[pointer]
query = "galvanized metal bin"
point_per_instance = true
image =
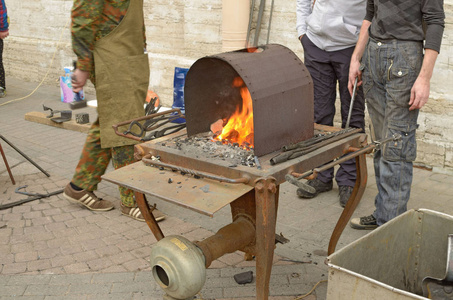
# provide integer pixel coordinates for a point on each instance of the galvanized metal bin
(391, 261)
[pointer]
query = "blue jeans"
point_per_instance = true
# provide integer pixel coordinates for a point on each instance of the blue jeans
(390, 69)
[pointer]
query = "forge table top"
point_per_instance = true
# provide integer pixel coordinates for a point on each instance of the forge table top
(208, 196)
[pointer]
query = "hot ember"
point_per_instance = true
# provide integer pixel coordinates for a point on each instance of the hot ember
(239, 127)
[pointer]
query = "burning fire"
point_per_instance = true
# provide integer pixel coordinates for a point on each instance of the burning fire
(239, 128)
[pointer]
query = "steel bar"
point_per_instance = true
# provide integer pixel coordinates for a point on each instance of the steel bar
(270, 21)
(282, 157)
(351, 205)
(156, 163)
(314, 140)
(24, 155)
(7, 166)
(351, 105)
(32, 198)
(258, 22)
(147, 214)
(249, 28)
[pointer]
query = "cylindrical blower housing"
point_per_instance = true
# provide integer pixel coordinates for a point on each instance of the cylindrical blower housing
(178, 266)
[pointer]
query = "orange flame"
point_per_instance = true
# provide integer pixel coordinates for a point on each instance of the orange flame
(239, 128)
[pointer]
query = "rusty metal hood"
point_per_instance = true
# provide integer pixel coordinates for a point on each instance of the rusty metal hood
(279, 84)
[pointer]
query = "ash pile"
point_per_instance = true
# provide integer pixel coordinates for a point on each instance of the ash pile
(204, 146)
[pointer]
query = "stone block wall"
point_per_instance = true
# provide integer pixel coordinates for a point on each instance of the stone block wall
(180, 32)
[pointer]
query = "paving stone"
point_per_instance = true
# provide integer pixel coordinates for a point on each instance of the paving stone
(107, 251)
(22, 247)
(90, 289)
(99, 264)
(63, 217)
(46, 290)
(118, 277)
(76, 268)
(26, 256)
(137, 265)
(67, 279)
(11, 290)
(39, 265)
(48, 253)
(121, 258)
(62, 261)
(14, 268)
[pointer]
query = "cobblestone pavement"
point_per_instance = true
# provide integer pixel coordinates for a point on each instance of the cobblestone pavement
(52, 249)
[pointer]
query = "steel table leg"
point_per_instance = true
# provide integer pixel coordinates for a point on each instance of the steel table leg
(7, 166)
(353, 201)
(147, 214)
(266, 198)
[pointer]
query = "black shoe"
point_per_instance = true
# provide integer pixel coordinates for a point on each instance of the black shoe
(368, 223)
(345, 193)
(319, 187)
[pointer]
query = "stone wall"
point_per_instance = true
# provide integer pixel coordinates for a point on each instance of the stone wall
(179, 32)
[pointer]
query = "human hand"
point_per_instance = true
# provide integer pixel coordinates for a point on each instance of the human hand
(79, 79)
(419, 93)
(354, 73)
(4, 34)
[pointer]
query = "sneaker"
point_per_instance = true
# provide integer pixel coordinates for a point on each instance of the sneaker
(87, 199)
(2, 92)
(318, 185)
(345, 192)
(368, 223)
(135, 213)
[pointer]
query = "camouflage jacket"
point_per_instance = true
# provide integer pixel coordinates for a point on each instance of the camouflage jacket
(92, 20)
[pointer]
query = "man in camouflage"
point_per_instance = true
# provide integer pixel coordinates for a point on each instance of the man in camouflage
(110, 35)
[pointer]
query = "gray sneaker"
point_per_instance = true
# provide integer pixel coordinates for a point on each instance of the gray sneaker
(367, 223)
(318, 185)
(2, 92)
(345, 192)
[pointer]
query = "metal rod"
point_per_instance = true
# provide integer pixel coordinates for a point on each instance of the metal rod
(25, 156)
(270, 21)
(156, 163)
(7, 166)
(252, 10)
(352, 103)
(258, 23)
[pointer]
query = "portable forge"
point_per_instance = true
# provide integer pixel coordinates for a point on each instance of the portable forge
(280, 92)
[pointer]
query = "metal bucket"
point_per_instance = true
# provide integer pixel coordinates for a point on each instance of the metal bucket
(391, 261)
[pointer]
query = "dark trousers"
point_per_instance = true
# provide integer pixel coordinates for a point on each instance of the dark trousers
(2, 70)
(327, 69)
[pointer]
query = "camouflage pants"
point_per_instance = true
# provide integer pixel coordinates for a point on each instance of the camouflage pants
(94, 160)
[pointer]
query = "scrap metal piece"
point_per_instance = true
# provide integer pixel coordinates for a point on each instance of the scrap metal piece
(31, 197)
(82, 118)
(65, 115)
(300, 184)
(244, 277)
(441, 288)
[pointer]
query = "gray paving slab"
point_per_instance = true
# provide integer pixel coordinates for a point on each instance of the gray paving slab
(52, 249)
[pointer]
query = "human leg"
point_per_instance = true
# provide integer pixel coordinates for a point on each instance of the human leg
(398, 65)
(2, 73)
(347, 173)
(317, 62)
(121, 157)
(92, 165)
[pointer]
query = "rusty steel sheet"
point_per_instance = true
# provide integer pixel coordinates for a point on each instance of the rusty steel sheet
(280, 86)
(202, 195)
